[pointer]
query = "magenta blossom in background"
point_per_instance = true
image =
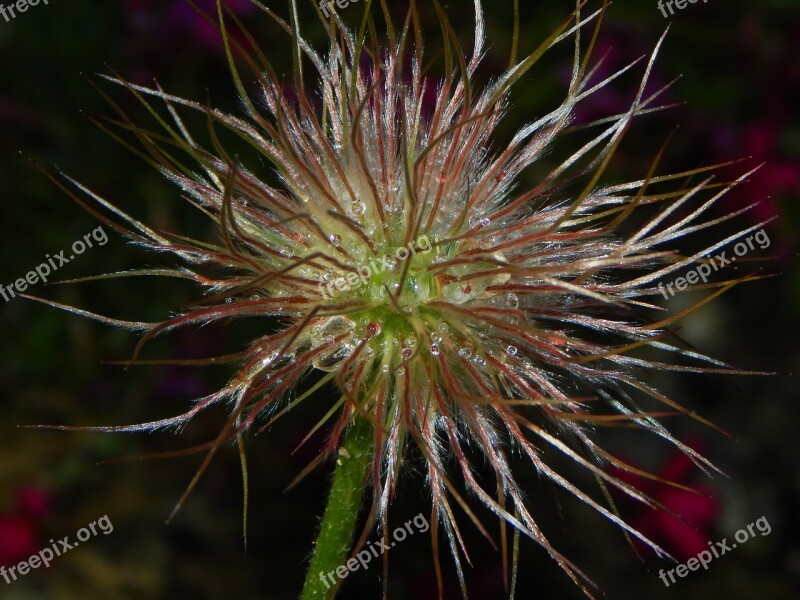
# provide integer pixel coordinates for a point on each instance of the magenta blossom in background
(613, 51)
(778, 177)
(168, 22)
(19, 537)
(699, 510)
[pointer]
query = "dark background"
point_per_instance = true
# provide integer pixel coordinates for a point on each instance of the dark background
(740, 63)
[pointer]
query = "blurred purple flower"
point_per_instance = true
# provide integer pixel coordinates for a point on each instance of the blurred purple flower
(615, 48)
(19, 537)
(778, 177)
(169, 23)
(681, 538)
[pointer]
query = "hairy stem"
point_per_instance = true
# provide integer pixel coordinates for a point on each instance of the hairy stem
(339, 521)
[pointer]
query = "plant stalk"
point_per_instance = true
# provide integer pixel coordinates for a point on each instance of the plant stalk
(341, 514)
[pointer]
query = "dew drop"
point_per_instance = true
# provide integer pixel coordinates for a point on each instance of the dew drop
(374, 328)
(511, 350)
(272, 356)
(485, 222)
(406, 353)
(434, 349)
(512, 300)
(255, 297)
(335, 240)
(464, 352)
(228, 300)
(358, 208)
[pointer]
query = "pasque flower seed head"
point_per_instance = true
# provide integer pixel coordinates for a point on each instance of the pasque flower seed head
(453, 302)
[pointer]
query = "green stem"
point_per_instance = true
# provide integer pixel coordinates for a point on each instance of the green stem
(339, 521)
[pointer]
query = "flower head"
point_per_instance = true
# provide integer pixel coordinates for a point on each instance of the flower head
(399, 246)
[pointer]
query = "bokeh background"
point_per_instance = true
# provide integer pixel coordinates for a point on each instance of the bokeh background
(740, 67)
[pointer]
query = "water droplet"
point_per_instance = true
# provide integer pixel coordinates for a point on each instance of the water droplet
(270, 358)
(464, 352)
(228, 300)
(358, 208)
(511, 350)
(406, 353)
(512, 300)
(443, 327)
(385, 369)
(437, 338)
(335, 240)
(410, 342)
(485, 222)
(434, 349)
(407, 310)
(374, 328)
(255, 297)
